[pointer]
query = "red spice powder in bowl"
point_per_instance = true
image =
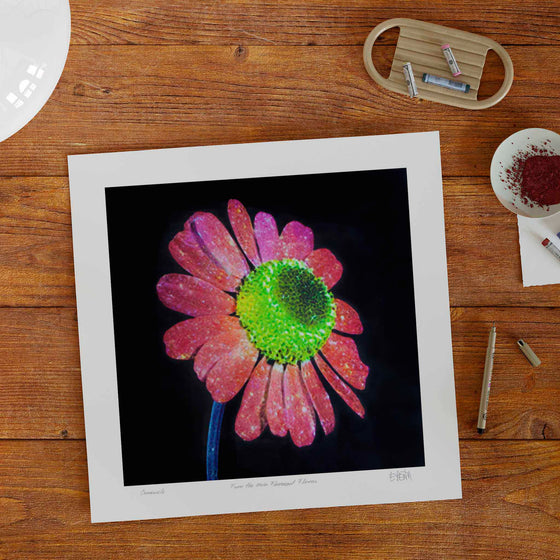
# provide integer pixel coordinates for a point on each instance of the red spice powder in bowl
(525, 173)
(540, 180)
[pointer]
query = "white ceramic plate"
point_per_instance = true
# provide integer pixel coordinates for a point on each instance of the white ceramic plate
(526, 141)
(34, 40)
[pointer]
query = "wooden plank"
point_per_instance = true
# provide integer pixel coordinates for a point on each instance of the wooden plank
(524, 400)
(40, 385)
(483, 260)
(128, 97)
(41, 392)
(291, 23)
(510, 509)
(35, 242)
(36, 246)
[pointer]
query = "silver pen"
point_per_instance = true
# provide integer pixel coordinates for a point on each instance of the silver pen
(487, 380)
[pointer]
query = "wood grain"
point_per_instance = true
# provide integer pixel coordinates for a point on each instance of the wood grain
(41, 392)
(36, 246)
(148, 74)
(510, 507)
(40, 385)
(35, 243)
(285, 22)
(524, 401)
(134, 97)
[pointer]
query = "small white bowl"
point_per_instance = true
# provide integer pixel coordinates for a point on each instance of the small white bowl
(521, 144)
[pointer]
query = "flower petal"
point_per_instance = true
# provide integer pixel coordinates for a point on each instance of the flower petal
(229, 374)
(184, 339)
(347, 318)
(296, 241)
(219, 244)
(187, 250)
(266, 233)
(325, 265)
(300, 418)
(275, 410)
(340, 387)
(243, 229)
(215, 349)
(342, 354)
(251, 418)
(193, 296)
(319, 397)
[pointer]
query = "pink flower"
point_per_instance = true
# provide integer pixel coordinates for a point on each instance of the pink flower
(263, 318)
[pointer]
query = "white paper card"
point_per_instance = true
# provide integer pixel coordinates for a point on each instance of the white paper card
(538, 265)
(147, 411)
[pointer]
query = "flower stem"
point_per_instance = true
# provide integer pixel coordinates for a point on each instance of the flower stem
(213, 444)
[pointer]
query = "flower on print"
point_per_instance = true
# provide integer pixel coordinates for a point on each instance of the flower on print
(263, 320)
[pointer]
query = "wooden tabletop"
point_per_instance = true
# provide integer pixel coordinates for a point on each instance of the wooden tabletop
(154, 74)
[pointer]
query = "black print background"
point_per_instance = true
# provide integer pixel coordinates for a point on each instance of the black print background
(362, 217)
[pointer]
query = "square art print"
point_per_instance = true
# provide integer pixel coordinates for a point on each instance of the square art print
(258, 327)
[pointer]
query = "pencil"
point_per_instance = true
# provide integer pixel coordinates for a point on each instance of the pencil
(487, 380)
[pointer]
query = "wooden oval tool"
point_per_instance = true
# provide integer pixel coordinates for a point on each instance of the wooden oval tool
(420, 44)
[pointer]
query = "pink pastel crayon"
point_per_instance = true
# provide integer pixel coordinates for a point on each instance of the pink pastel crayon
(451, 60)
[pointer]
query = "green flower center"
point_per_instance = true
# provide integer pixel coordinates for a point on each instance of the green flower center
(286, 310)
